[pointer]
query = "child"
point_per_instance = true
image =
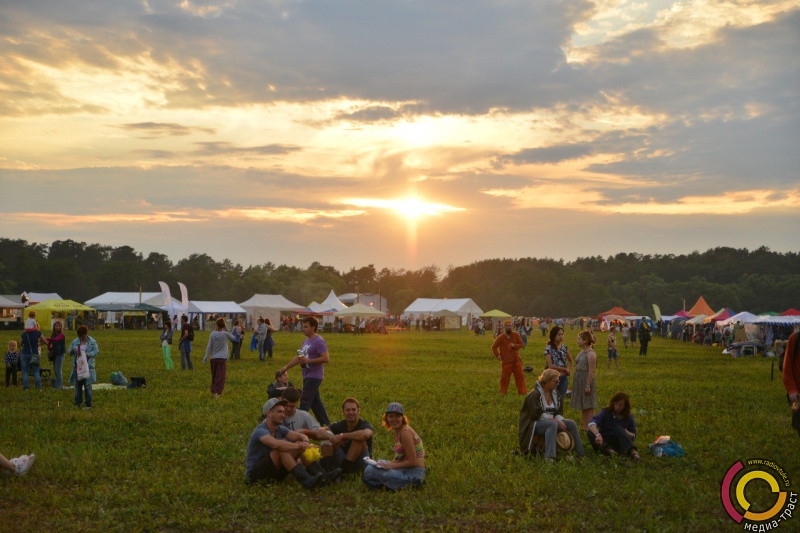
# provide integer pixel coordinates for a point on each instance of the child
(31, 324)
(11, 360)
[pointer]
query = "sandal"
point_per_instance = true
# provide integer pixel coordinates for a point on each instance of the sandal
(634, 455)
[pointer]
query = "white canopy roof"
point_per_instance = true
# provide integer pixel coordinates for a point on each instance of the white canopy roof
(462, 306)
(152, 298)
(215, 307)
(332, 302)
(271, 301)
(34, 297)
(744, 317)
(7, 303)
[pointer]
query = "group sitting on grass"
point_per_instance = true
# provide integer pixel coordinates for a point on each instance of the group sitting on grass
(282, 445)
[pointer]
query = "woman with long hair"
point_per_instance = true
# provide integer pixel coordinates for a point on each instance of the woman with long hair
(613, 429)
(238, 333)
(166, 344)
(407, 469)
(584, 386)
(559, 359)
(57, 346)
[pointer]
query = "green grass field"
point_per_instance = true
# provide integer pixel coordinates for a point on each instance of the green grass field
(169, 458)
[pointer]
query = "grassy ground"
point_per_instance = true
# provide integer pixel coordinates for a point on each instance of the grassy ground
(169, 458)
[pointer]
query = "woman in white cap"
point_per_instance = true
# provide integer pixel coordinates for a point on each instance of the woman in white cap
(407, 469)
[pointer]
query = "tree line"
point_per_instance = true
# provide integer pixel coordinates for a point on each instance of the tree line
(758, 281)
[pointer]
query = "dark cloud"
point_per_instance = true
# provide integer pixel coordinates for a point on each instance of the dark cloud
(163, 129)
(226, 148)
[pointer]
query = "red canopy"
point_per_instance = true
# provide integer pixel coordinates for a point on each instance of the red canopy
(617, 311)
(683, 314)
(791, 312)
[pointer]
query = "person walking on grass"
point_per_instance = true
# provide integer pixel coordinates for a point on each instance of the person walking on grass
(312, 356)
(506, 349)
(166, 344)
(611, 344)
(584, 387)
(274, 451)
(217, 351)
(644, 337)
(88, 346)
(57, 346)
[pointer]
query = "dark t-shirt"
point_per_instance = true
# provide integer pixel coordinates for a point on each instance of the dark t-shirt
(257, 450)
(341, 427)
(30, 342)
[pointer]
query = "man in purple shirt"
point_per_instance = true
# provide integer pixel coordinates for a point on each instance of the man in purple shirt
(311, 356)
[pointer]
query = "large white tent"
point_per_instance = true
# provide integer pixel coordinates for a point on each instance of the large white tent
(268, 306)
(332, 303)
(465, 307)
(203, 308)
(132, 298)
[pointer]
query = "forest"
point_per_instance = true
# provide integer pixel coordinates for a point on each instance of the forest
(757, 281)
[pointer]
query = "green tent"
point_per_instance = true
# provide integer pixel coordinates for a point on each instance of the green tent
(495, 313)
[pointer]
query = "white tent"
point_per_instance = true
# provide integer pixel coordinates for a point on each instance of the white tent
(36, 297)
(268, 306)
(427, 306)
(130, 298)
(203, 308)
(744, 317)
(332, 302)
(360, 310)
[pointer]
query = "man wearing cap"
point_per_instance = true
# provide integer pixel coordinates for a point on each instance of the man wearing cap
(352, 440)
(506, 349)
(311, 358)
(274, 451)
(281, 383)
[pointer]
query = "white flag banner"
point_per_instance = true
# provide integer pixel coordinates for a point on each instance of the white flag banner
(167, 299)
(184, 295)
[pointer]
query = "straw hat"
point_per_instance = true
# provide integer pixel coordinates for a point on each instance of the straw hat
(564, 441)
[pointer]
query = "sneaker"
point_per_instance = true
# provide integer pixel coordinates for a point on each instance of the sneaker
(86, 408)
(23, 464)
(569, 392)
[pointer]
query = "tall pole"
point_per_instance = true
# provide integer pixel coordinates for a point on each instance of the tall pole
(380, 301)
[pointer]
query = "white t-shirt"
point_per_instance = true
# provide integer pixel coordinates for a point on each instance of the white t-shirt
(301, 420)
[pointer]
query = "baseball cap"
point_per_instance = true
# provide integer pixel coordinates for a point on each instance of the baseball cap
(272, 402)
(394, 407)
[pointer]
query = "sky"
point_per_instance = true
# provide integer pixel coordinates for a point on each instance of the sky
(401, 134)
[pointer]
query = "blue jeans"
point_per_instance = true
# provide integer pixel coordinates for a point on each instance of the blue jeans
(186, 355)
(563, 385)
(80, 385)
(310, 399)
(549, 428)
(261, 346)
(58, 381)
(394, 479)
(27, 368)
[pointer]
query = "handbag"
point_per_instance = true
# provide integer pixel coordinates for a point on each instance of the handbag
(82, 367)
(35, 359)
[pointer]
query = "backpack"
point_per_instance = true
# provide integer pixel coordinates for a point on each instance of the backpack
(190, 334)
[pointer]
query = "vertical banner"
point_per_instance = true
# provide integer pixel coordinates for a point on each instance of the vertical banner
(167, 299)
(657, 312)
(184, 295)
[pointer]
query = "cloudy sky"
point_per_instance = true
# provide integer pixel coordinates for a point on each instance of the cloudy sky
(402, 133)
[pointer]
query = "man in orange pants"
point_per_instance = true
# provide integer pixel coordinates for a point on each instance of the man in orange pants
(506, 349)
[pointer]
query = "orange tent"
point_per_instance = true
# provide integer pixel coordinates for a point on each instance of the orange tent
(701, 308)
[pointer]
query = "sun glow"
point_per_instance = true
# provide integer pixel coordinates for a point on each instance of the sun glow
(411, 207)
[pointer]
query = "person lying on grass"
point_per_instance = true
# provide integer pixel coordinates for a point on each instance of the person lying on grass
(274, 451)
(613, 429)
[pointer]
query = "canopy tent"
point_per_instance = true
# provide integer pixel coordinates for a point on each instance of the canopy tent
(359, 310)
(696, 320)
(722, 314)
(683, 314)
(450, 319)
(624, 319)
(495, 313)
(37, 297)
(268, 306)
(701, 308)
(332, 302)
(465, 307)
(10, 302)
(791, 312)
(744, 317)
(47, 307)
(155, 299)
(202, 308)
(123, 308)
(615, 311)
